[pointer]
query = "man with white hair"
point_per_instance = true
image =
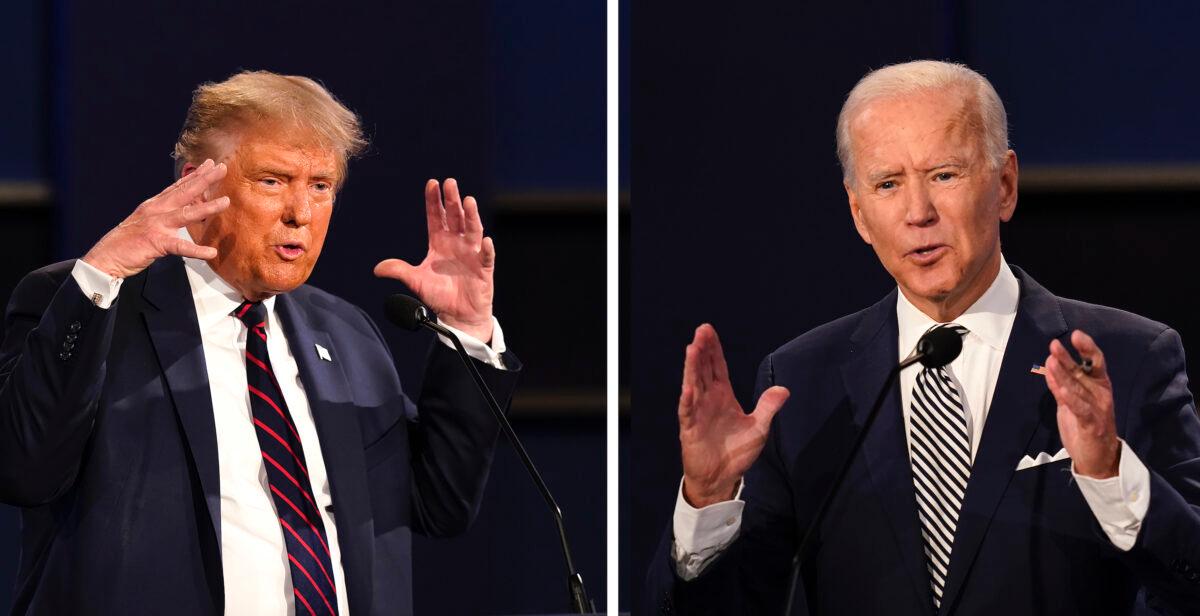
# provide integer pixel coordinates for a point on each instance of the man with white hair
(189, 428)
(982, 487)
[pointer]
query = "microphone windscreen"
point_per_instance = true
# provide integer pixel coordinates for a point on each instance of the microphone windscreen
(939, 346)
(404, 311)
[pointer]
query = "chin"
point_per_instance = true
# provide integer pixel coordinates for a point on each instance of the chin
(283, 277)
(934, 286)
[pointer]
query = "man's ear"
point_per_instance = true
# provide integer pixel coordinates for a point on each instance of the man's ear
(1008, 186)
(856, 212)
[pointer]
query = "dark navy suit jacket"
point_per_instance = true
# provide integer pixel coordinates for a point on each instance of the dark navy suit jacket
(107, 443)
(1026, 541)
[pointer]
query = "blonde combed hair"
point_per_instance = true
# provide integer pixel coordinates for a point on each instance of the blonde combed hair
(927, 75)
(254, 97)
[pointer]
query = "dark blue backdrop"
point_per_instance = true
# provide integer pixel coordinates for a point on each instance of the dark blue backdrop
(508, 99)
(740, 219)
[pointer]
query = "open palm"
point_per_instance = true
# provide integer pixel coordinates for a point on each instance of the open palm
(719, 441)
(455, 278)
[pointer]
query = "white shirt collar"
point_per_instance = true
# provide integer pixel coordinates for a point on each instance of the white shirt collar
(215, 299)
(989, 319)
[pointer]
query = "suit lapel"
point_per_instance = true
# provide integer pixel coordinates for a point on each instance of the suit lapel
(175, 331)
(874, 354)
(1015, 413)
(337, 426)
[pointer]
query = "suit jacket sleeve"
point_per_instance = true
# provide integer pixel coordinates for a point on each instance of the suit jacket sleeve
(451, 436)
(751, 576)
(1165, 433)
(52, 367)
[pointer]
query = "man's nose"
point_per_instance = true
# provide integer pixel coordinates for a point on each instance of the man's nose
(919, 209)
(298, 210)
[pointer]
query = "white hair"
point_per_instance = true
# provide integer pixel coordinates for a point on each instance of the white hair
(927, 75)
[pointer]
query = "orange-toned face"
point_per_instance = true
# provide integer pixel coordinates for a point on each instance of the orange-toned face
(281, 186)
(925, 197)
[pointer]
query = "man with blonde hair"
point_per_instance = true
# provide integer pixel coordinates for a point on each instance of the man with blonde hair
(189, 428)
(981, 487)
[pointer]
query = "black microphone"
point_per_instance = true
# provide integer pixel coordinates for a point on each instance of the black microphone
(936, 348)
(409, 313)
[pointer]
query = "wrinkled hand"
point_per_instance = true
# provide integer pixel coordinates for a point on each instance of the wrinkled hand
(455, 279)
(1086, 418)
(719, 441)
(151, 231)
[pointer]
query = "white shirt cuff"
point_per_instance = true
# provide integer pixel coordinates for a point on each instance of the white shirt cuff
(490, 355)
(702, 534)
(1119, 503)
(97, 286)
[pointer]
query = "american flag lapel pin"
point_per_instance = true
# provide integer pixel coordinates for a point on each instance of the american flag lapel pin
(1036, 369)
(323, 353)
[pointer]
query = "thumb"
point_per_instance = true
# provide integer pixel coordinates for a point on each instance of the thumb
(770, 402)
(396, 269)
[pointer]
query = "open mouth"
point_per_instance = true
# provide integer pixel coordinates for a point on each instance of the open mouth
(289, 252)
(928, 253)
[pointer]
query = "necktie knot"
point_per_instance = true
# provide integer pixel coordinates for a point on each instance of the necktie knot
(253, 314)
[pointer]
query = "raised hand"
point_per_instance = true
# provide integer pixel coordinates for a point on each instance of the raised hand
(1086, 417)
(718, 439)
(455, 279)
(151, 231)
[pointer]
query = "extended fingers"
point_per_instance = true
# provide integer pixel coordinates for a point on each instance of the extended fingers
(455, 216)
(1064, 383)
(473, 224)
(395, 269)
(688, 393)
(487, 253)
(718, 369)
(435, 215)
(184, 248)
(194, 185)
(769, 403)
(1088, 349)
(195, 212)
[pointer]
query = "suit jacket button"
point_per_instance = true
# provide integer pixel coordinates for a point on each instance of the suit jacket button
(76, 326)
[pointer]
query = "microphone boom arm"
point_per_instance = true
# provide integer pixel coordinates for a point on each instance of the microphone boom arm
(580, 603)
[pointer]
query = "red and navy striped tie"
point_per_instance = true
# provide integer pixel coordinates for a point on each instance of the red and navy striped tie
(287, 474)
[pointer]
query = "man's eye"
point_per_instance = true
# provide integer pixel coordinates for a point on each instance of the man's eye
(270, 181)
(885, 185)
(944, 176)
(322, 186)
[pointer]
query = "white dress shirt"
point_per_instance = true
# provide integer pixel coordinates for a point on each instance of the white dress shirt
(253, 553)
(1119, 503)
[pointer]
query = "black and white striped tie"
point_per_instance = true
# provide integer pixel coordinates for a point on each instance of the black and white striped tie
(941, 463)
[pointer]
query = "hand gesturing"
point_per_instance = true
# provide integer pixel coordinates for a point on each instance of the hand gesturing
(455, 279)
(1087, 421)
(151, 231)
(718, 439)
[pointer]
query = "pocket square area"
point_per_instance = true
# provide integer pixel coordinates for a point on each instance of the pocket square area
(1042, 458)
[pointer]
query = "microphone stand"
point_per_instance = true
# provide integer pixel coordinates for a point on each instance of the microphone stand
(580, 604)
(915, 357)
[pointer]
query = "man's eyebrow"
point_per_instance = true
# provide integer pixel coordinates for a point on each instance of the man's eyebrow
(883, 174)
(269, 170)
(953, 161)
(324, 175)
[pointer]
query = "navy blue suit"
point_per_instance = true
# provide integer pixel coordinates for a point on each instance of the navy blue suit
(107, 443)
(1026, 541)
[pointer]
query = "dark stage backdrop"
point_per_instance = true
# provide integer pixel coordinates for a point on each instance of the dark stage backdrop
(740, 219)
(509, 99)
